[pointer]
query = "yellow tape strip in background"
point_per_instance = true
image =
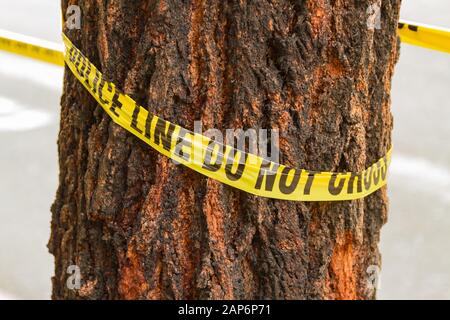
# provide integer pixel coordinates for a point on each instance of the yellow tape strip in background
(424, 36)
(233, 167)
(31, 47)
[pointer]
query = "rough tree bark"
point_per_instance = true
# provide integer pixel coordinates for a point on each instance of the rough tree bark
(139, 226)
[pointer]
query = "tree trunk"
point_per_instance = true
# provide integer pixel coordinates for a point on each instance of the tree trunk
(141, 227)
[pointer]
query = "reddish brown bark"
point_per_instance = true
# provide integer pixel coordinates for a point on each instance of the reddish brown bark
(141, 227)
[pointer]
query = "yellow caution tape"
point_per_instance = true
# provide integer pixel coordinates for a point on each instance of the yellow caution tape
(31, 47)
(244, 171)
(233, 167)
(424, 36)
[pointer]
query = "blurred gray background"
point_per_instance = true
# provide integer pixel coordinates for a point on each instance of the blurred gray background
(414, 244)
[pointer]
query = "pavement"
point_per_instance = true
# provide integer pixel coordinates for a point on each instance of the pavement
(414, 243)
